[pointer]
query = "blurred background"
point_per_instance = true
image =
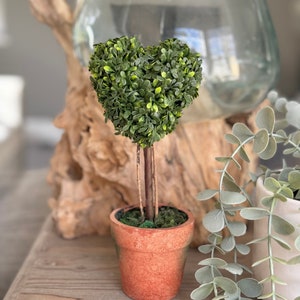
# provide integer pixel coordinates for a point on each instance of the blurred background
(32, 92)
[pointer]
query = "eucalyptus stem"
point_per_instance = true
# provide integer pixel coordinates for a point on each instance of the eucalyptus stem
(212, 255)
(270, 251)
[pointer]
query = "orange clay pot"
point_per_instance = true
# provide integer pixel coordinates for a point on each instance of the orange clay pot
(151, 260)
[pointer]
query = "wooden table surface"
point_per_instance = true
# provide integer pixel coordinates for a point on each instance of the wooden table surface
(83, 268)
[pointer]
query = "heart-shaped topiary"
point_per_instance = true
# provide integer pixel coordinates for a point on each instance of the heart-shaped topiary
(144, 90)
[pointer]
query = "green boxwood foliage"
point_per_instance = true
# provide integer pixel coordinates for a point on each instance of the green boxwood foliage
(144, 90)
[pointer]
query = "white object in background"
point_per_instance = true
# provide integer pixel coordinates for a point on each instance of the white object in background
(11, 100)
(288, 273)
(42, 130)
(4, 37)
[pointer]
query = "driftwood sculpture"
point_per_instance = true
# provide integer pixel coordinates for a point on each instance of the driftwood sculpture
(93, 171)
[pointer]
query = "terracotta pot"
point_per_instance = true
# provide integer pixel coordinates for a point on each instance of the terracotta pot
(151, 260)
(290, 211)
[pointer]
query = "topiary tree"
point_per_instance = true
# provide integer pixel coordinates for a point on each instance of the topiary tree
(143, 91)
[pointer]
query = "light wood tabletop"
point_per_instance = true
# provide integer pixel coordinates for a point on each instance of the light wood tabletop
(82, 268)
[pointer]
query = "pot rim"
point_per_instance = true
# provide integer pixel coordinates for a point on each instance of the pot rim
(188, 222)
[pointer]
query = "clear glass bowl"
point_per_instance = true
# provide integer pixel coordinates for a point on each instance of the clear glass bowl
(236, 39)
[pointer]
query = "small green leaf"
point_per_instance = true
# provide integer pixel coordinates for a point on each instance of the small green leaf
(282, 226)
(158, 90)
(254, 213)
(265, 118)
(107, 69)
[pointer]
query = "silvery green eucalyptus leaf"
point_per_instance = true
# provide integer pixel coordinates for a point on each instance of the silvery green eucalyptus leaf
(243, 249)
(294, 179)
(280, 105)
(281, 242)
(265, 118)
(202, 292)
(226, 284)
(271, 184)
(270, 151)
(228, 243)
(228, 197)
(297, 243)
(281, 136)
(250, 287)
(204, 275)
(206, 194)
(232, 139)
(282, 226)
(243, 155)
(205, 249)
(261, 141)
(267, 201)
(295, 137)
(237, 228)
(214, 221)
(279, 260)
(233, 268)
(280, 124)
(230, 185)
(254, 213)
(295, 260)
(241, 131)
(216, 262)
(288, 151)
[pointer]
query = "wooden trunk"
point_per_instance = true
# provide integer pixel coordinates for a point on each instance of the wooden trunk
(93, 171)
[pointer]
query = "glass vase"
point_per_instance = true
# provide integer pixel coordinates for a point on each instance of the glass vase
(235, 38)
